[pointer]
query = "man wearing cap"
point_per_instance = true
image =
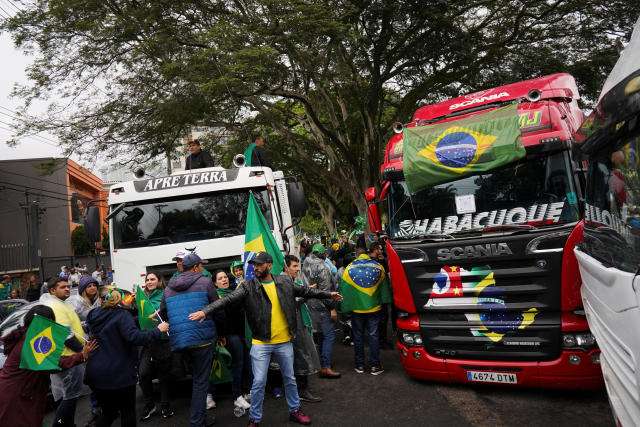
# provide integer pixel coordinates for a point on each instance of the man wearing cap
(198, 158)
(188, 292)
(316, 274)
(178, 259)
(271, 313)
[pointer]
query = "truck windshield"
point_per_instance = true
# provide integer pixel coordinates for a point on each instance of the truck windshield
(533, 192)
(186, 219)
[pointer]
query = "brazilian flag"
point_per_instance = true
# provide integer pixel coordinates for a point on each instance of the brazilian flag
(43, 345)
(258, 238)
(221, 367)
(145, 310)
(363, 286)
(445, 152)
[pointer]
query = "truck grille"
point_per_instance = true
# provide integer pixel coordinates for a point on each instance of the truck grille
(504, 307)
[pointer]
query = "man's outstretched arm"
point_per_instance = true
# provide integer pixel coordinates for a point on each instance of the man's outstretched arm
(234, 297)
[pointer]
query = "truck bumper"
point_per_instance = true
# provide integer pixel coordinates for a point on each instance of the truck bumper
(558, 373)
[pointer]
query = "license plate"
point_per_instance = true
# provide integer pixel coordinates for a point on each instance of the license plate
(492, 377)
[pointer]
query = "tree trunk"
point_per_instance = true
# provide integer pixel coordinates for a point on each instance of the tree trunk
(327, 213)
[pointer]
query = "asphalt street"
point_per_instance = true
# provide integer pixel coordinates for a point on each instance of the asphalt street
(392, 399)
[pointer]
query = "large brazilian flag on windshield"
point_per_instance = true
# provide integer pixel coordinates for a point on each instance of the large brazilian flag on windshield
(258, 238)
(43, 345)
(435, 154)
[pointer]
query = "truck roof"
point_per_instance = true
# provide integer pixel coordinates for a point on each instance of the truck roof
(193, 182)
(552, 86)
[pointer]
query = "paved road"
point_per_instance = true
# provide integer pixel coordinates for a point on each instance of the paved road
(392, 399)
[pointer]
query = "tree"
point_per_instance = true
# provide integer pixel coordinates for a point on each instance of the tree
(328, 77)
(80, 241)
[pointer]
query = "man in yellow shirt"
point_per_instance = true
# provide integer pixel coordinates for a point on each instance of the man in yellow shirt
(269, 303)
(66, 385)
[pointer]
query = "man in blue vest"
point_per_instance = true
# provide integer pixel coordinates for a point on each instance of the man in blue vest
(188, 292)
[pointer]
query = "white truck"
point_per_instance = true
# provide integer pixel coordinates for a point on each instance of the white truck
(151, 219)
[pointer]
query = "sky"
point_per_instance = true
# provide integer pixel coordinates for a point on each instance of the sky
(14, 63)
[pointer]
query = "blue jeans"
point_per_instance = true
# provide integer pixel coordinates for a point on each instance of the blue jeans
(328, 329)
(201, 362)
(362, 323)
(260, 357)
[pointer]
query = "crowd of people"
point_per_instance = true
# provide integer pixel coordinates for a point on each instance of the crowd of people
(278, 329)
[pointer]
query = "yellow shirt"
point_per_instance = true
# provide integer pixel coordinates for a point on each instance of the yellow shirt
(279, 327)
(66, 316)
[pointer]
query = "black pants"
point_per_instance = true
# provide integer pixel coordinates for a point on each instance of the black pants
(65, 413)
(118, 401)
(151, 368)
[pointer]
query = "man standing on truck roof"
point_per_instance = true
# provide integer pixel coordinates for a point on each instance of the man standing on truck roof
(316, 274)
(198, 158)
(256, 154)
(271, 313)
(186, 293)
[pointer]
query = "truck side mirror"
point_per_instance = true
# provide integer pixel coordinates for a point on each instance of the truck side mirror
(373, 213)
(92, 223)
(297, 202)
(370, 194)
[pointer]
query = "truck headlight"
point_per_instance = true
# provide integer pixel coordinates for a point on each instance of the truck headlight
(411, 339)
(581, 340)
(585, 340)
(569, 341)
(407, 338)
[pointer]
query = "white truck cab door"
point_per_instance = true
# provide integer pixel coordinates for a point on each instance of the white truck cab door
(609, 260)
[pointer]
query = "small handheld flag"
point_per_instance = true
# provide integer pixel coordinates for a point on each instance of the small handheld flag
(258, 238)
(43, 345)
(145, 310)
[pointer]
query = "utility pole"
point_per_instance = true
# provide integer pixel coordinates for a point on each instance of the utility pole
(27, 218)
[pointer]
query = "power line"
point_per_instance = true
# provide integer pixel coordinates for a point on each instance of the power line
(32, 137)
(34, 177)
(14, 116)
(26, 189)
(35, 135)
(7, 14)
(13, 5)
(34, 188)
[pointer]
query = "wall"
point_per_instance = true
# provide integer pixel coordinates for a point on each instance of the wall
(44, 182)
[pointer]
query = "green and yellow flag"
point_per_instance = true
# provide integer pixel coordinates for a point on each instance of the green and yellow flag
(445, 152)
(248, 154)
(145, 310)
(258, 238)
(43, 345)
(363, 286)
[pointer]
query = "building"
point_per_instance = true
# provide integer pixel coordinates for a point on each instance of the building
(41, 202)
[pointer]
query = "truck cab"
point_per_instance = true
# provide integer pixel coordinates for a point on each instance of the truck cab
(609, 256)
(203, 210)
(482, 266)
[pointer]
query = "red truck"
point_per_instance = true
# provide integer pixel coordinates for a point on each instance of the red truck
(483, 272)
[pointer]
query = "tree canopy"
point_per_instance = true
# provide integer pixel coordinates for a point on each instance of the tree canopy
(324, 79)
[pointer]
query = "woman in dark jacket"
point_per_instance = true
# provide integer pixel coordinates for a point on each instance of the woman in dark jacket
(234, 330)
(112, 373)
(24, 392)
(155, 358)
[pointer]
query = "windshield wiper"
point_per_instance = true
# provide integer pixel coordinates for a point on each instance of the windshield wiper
(115, 211)
(424, 238)
(509, 227)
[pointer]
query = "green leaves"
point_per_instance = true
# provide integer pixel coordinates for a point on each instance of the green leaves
(325, 79)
